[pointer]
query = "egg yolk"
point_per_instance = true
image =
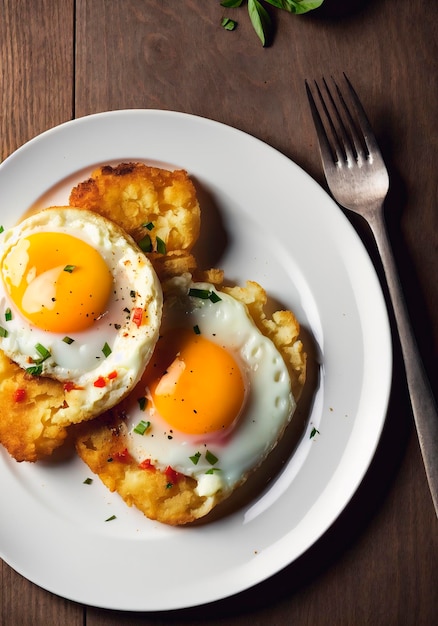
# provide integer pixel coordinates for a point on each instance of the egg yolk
(57, 281)
(196, 385)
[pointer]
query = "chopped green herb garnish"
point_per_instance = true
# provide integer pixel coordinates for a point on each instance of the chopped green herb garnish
(88, 481)
(106, 350)
(43, 352)
(161, 246)
(212, 470)
(142, 427)
(314, 432)
(35, 370)
(196, 330)
(68, 340)
(8, 315)
(145, 244)
(149, 225)
(260, 18)
(69, 268)
(1, 229)
(211, 458)
(110, 519)
(228, 23)
(204, 294)
(142, 402)
(3, 332)
(214, 297)
(169, 485)
(195, 458)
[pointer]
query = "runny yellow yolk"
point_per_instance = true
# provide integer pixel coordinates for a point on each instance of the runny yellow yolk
(196, 385)
(58, 282)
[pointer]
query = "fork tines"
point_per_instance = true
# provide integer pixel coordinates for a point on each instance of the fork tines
(343, 128)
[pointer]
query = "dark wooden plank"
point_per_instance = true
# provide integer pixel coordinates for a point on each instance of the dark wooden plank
(36, 93)
(36, 52)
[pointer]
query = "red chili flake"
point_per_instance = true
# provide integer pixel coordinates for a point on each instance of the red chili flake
(137, 316)
(123, 456)
(19, 395)
(146, 465)
(172, 474)
(112, 375)
(100, 382)
(69, 386)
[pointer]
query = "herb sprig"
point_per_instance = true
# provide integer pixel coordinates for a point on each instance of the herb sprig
(259, 16)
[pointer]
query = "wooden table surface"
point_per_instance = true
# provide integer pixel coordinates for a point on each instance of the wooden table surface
(61, 60)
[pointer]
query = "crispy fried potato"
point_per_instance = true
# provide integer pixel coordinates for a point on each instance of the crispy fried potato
(167, 499)
(151, 491)
(134, 195)
(30, 428)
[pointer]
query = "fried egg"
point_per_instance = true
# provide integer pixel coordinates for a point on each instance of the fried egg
(215, 396)
(79, 302)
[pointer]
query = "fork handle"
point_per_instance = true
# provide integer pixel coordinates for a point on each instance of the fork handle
(422, 400)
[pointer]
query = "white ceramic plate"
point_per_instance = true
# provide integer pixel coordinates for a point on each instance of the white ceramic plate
(264, 219)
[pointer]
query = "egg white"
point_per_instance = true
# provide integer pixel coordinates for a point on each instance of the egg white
(127, 346)
(268, 408)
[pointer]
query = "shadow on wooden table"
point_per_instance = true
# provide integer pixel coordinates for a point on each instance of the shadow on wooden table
(340, 8)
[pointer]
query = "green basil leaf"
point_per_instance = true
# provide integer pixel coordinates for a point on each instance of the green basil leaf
(296, 6)
(231, 4)
(260, 20)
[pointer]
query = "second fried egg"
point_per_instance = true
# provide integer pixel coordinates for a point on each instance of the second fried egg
(216, 395)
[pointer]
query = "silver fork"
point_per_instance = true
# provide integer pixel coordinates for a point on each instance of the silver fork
(358, 180)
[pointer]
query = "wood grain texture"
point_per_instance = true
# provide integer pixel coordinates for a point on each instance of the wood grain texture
(36, 93)
(36, 70)
(377, 564)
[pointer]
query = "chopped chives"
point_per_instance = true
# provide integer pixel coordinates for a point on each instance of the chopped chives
(8, 315)
(149, 225)
(69, 268)
(142, 427)
(211, 458)
(3, 332)
(110, 519)
(142, 402)
(214, 297)
(204, 294)
(195, 458)
(212, 470)
(88, 481)
(35, 370)
(145, 244)
(43, 352)
(106, 350)
(196, 330)
(161, 246)
(1, 229)
(68, 340)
